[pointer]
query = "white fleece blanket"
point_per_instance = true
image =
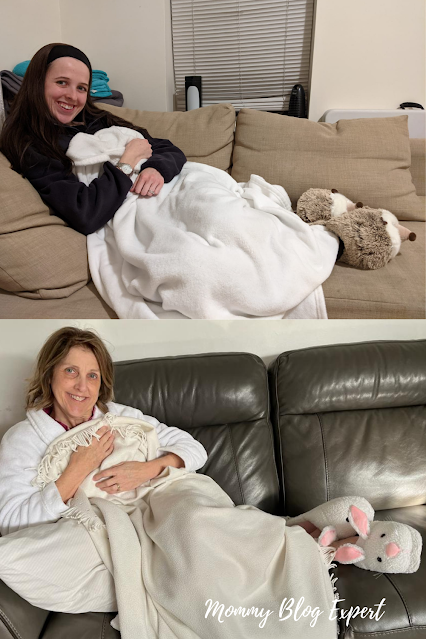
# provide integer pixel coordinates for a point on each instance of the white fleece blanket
(206, 247)
(187, 563)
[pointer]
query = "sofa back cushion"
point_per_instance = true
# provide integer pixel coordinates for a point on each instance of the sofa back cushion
(418, 168)
(40, 257)
(351, 420)
(418, 165)
(222, 400)
(205, 135)
(367, 160)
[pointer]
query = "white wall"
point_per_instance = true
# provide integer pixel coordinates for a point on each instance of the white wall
(20, 341)
(131, 41)
(26, 26)
(367, 54)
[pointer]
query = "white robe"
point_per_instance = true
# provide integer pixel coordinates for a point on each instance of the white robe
(24, 445)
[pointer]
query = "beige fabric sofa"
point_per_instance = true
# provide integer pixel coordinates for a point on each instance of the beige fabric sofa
(43, 263)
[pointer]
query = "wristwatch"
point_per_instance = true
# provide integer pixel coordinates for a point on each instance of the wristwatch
(126, 168)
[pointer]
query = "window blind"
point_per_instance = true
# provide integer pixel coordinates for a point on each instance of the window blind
(249, 52)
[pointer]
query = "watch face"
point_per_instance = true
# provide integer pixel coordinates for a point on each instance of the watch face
(126, 168)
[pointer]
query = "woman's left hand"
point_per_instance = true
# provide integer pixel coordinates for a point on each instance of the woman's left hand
(126, 476)
(148, 183)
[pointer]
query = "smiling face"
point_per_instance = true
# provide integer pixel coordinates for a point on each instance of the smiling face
(65, 88)
(75, 386)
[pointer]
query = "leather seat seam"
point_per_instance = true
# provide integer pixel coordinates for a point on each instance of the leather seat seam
(103, 627)
(276, 426)
(271, 429)
(382, 633)
(327, 485)
(252, 420)
(235, 464)
(410, 621)
(8, 621)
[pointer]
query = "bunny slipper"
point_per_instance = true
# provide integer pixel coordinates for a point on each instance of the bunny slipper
(390, 547)
(383, 546)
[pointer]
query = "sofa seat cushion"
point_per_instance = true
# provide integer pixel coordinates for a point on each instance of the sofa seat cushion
(18, 618)
(367, 160)
(40, 256)
(205, 135)
(89, 625)
(396, 291)
(83, 304)
(404, 594)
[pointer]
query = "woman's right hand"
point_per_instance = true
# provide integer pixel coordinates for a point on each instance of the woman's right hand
(135, 151)
(83, 461)
(88, 458)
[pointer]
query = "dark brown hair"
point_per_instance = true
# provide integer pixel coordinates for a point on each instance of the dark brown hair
(55, 349)
(30, 122)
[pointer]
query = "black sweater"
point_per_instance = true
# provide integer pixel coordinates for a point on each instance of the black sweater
(87, 208)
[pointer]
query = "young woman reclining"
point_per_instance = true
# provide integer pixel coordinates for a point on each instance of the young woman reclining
(51, 107)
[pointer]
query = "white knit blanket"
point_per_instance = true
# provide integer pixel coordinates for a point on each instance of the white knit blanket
(187, 563)
(206, 247)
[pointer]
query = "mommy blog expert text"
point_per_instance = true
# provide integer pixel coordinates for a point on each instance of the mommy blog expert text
(289, 608)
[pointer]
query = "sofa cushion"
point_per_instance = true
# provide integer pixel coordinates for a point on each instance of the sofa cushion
(205, 135)
(418, 167)
(351, 420)
(83, 304)
(387, 293)
(222, 400)
(367, 160)
(89, 625)
(396, 291)
(16, 613)
(40, 257)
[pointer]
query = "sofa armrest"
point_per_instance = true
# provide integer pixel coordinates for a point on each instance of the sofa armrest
(18, 618)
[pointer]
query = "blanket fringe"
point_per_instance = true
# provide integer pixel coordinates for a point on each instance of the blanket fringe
(91, 522)
(48, 469)
(327, 553)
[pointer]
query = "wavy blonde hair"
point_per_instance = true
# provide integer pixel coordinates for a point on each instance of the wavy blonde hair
(54, 350)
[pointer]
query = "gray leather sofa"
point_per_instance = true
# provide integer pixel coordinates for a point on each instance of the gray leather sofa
(346, 419)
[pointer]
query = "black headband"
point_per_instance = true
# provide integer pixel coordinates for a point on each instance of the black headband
(67, 51)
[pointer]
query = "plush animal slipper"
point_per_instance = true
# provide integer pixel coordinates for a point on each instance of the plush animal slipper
(383, 546)
(323, 204)
(371, 237)
(390, 547)
(334, 519)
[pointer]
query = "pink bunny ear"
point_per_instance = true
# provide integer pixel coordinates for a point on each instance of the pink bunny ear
(327, 536)
(349, 554)
(392, 549)
(359, 521)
